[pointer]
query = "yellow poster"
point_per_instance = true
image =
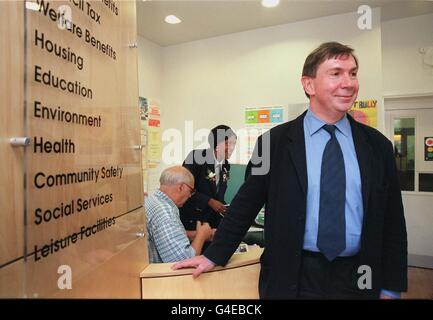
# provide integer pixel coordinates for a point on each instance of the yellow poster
(154, 144)
(365, 111)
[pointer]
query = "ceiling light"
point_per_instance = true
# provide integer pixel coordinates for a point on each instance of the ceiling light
(270, 3)
(172, 19)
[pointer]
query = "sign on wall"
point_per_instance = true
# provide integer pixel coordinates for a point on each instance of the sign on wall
(365, 112)
(84, 174)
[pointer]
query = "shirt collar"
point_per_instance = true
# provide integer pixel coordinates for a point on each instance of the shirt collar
(314, 123)
(219, 163)
(161, 195)
(216, 162)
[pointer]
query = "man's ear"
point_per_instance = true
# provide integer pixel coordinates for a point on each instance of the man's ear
(307, 83)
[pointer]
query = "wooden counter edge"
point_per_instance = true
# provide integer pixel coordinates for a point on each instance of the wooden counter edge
(155, 270)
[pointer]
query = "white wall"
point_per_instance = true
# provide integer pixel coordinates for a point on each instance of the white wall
(403, 71)
(405, 75)
(213, 80)
(149, 70)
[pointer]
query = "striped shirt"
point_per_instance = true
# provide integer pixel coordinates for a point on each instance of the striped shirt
(168, 241)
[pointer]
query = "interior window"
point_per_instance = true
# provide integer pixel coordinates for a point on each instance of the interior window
(404, 152)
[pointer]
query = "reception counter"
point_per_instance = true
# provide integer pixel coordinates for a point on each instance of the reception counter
(237, 280)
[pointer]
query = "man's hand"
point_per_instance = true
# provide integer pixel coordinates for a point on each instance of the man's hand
(204, 231)
(200, 263)
(217, 206)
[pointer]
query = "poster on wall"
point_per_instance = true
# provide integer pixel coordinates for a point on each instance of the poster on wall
(154, 142)
(365, 112)
(428, 148)
(151, 141)
(258, 120)
(144, 112)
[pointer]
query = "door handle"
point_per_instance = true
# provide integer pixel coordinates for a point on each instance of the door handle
(19, 141)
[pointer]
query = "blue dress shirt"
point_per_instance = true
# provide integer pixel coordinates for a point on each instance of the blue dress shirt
(315, 141)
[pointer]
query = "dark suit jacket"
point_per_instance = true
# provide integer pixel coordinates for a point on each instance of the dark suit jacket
(284, 192)
(201, 163)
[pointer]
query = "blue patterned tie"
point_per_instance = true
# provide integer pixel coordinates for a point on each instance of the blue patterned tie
(331, 238)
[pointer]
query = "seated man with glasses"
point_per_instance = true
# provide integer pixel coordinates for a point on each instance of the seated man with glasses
(168, 241)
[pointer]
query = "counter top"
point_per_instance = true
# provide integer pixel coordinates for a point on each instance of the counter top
(252, 256)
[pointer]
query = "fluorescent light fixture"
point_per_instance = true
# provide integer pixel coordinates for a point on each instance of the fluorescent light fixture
(270, 3)
(172, 19)
(32, 6)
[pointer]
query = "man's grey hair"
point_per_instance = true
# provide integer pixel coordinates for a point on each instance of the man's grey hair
(175, 175)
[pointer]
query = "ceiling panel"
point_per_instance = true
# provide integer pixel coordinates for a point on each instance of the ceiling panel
(205, 19)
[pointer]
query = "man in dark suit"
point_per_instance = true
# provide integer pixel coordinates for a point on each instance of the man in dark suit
(211, 172)
(334, 222)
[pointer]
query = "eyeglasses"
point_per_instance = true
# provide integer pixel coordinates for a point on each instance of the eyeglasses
(191, 189)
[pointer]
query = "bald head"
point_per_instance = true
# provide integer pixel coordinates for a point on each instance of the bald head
(176, 175)
(177, 183)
